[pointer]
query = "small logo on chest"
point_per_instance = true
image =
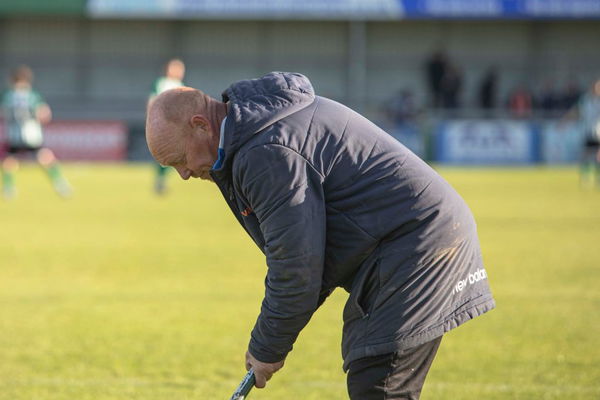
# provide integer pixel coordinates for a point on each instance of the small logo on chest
(247, 211)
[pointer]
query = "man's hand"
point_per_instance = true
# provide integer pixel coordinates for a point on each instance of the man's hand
(262, 371)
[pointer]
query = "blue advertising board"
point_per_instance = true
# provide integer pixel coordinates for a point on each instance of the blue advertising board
(561, 142)
(496, 9)
(345, 9)
(486, 142)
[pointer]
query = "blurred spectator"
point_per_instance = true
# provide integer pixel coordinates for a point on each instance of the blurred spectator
(451, 87)
(436, 68)
(520, 102)
(25, 111)
(402, 107)
(173, 78)
(488, 90)
(549, 101)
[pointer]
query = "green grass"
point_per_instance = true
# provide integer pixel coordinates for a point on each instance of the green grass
(118, 294)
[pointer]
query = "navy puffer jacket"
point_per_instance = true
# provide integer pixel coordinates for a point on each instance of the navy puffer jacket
(334, 201)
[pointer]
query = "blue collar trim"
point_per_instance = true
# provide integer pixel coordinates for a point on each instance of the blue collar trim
(221, 151)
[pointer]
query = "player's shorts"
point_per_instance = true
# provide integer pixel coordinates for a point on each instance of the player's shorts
(591, 143)
(21, 149)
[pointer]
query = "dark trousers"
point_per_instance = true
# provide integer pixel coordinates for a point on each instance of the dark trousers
(392, 376)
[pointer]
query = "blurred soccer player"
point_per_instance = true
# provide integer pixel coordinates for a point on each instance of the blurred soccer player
(587, 111)
(24, 112)
(173, 78)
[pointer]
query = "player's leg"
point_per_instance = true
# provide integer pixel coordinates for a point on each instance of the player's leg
(393, 376)
(597, 163)
(10, 165)
(49, 162)
(589, 163)
(161, 179)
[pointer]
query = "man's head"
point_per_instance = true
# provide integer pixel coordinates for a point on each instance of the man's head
(22, 75)
(182, 131)
(175, 69)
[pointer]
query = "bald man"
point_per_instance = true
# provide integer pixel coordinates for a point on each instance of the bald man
(332, 201)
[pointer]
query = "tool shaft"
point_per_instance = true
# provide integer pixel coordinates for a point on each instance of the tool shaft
(245, 386)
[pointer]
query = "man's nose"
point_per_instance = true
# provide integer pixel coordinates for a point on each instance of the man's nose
(184, 173)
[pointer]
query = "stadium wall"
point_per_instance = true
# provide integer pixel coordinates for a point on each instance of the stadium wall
(103, 67)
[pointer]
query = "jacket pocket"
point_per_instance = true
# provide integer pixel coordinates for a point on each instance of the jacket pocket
(363, 292)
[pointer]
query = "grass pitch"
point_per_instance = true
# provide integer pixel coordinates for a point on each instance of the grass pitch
(119, 294)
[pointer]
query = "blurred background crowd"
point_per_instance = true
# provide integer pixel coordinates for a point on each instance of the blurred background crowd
(547, 98)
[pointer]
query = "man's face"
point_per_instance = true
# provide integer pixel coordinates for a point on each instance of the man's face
(196, 159)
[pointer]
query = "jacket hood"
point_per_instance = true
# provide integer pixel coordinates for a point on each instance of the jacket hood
(254, 104)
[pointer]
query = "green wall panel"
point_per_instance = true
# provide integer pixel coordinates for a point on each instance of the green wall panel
(42, 7)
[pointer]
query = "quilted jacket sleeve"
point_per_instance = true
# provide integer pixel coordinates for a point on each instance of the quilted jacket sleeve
(286, 194)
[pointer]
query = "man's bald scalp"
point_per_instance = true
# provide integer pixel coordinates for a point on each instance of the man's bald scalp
(167, 120)
(180, 103)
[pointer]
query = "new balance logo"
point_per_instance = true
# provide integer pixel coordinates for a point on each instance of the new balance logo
(476, 276)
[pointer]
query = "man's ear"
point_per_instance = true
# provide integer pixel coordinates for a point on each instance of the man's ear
(200, 121)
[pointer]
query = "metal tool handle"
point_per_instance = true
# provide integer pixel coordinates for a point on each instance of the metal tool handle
(245, 386)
